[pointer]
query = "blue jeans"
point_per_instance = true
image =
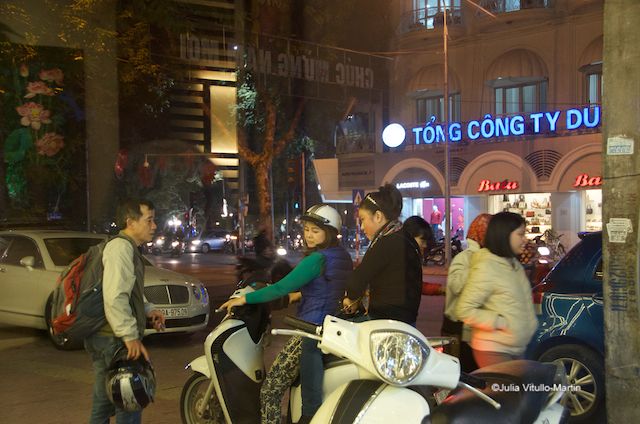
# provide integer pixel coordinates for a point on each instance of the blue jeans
(102, 349)
(311, 376)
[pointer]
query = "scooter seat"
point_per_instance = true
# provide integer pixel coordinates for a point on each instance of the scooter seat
(521, 387)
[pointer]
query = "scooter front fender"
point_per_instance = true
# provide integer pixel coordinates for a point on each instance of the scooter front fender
(372, 402)
(200, 365)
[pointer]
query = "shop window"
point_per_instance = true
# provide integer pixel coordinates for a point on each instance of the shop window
(535, 208)
(524, 98)
(593, 210)
(426, 107)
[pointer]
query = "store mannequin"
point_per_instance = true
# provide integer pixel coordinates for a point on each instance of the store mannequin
(436, 219)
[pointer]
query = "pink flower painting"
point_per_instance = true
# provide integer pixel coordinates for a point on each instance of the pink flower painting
(49, 144)
(38, 87)
(52, 75)
(33, 115)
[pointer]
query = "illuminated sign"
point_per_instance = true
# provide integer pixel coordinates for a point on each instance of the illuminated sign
(487, 185)
(507, 126)
(413, 184)
(584, 180)
(393, 135)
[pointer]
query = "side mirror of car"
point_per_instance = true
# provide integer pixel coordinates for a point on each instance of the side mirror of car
(28, 262)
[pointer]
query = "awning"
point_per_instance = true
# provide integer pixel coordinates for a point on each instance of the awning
(327, 174)
(515, 67)
(430, 81)
(591, 56)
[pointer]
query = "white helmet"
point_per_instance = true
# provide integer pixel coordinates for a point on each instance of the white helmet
(323, 216)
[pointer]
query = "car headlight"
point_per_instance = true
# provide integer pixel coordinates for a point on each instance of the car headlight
(196, 291)
(200, 293)
(204, 295)
(160, 242)
(398, 357)
(195, 242)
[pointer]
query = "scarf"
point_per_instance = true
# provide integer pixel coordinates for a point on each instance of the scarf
(388, 228)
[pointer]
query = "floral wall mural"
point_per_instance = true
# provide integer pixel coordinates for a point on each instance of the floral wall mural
(42, 135)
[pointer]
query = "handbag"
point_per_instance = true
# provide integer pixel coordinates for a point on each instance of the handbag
(589, 210)
(530, 214)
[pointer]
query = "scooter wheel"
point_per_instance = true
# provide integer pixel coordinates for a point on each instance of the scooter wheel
(192, 399)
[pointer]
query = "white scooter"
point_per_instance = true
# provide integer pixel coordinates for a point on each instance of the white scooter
(373, 377)
(395, 360)
(225, 386)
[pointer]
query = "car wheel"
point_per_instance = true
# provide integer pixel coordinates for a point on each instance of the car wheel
(205, 248)
(58, 342)
(585, 370)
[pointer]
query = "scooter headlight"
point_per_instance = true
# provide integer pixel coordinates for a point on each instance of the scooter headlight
(398, 357)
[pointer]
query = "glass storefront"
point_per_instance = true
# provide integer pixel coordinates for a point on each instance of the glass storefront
(592, 201)
(534, 207)
(432, 210)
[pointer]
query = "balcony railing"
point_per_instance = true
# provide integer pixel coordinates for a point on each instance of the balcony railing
(505, 6)
(356, 143)
(429, 18)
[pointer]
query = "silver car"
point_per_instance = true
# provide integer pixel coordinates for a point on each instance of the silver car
(31, 261)
(217, 239)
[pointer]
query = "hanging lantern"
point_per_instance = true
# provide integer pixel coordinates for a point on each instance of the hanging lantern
(207, 173)
(145, 174)
(122, 159)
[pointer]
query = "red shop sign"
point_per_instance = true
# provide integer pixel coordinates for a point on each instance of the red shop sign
(487, 185)
(583, 180)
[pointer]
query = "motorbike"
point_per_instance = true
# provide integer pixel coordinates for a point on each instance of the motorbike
(374, 372)
(436, 254)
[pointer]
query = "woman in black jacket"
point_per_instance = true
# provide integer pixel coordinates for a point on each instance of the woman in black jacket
(392, 267)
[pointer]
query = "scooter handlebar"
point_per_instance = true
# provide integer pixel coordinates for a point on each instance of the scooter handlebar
(473, 381)
(305, 326)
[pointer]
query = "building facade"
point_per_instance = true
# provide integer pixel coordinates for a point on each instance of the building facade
(524, 129)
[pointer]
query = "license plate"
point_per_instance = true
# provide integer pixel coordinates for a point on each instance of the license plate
(175, 312)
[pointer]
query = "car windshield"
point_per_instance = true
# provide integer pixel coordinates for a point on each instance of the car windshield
(64, 250)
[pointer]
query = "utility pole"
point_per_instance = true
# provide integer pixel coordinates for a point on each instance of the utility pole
(447, 172)
(621, 205)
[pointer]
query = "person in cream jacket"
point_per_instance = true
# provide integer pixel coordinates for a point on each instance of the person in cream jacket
(496, 301)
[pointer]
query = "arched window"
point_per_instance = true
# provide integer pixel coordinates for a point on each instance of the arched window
(591, 68)
(427, 90)
(519, 80)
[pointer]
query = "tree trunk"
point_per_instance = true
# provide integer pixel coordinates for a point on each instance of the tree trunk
(264, 196)
(621, 196)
